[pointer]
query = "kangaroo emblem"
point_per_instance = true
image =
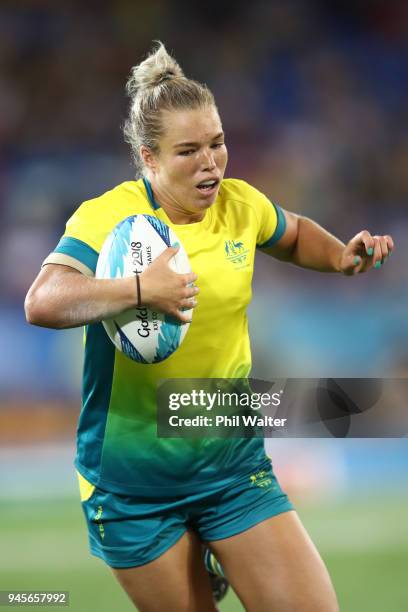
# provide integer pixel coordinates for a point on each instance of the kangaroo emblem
(239, 246)
(235, 252)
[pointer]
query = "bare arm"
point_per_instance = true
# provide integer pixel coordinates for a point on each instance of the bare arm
(307, 244)
(61, 297)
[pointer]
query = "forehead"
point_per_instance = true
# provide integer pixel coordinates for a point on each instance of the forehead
(193, 125)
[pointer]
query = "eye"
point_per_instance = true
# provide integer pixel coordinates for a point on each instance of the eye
(217, 145)
(187, 152)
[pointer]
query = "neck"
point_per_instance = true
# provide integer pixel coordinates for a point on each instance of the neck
(182, 217)
(173, 209)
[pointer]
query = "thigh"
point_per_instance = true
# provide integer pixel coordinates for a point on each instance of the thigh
(176, 581)
(275, 566)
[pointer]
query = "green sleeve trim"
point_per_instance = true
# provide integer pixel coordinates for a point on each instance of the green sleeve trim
(78, 250)
(279, 230)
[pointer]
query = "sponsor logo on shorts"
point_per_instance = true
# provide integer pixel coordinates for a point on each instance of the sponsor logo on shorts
(261, 479)
(98, 521)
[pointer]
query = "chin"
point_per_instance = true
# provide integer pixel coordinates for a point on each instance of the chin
(205, 202)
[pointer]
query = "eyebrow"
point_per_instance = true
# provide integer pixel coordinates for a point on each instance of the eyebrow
(196, 144)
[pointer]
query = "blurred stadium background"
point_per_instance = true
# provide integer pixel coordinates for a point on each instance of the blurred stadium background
(314, 99)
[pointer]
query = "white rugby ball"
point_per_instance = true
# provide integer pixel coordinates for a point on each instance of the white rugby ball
(140, 333)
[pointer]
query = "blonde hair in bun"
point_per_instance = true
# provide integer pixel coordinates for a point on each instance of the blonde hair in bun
(156, 84)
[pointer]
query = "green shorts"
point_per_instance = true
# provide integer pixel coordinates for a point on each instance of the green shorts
(127, 531)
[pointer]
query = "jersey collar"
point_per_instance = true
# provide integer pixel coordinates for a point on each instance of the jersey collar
(150, 195)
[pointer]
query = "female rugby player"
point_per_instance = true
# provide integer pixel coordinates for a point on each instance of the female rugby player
(150, 503)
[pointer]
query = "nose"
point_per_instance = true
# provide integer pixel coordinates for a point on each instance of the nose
(208, 159)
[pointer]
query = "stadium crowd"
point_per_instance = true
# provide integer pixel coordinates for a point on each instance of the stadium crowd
(314, 103)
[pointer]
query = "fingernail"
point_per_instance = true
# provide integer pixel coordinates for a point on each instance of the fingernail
(389, 253)
(356, 260)
(377, 265)
(175, 245)
(370, 251)
(385, 259)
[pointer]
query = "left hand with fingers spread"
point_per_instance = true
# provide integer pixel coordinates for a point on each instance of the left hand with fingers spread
(365, 251)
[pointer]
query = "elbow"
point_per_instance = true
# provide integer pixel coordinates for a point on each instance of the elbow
(30, 310)
(33, 310)
(37, 311)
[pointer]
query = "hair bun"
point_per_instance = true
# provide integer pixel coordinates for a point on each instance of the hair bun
(158, 67)
(169, 74)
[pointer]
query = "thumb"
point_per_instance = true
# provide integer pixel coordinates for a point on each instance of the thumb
(351, 264)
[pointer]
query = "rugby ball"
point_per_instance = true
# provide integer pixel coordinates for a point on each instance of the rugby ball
(140, 333)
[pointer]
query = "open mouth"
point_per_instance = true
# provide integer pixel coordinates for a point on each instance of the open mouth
(208, 186)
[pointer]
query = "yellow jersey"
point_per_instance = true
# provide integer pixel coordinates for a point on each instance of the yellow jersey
(118, 448)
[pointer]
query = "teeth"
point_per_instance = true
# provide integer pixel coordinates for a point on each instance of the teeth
(207, 183)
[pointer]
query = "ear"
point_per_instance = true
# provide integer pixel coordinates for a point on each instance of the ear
(148, 158)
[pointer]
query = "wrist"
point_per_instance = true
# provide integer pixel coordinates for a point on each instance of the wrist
(338, 259)
(143, 292)
(128, 295)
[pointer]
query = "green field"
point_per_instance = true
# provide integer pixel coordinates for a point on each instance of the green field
(365, 545)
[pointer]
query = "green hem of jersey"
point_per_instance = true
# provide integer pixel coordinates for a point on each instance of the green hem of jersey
(279, 230)
(78, 250)
(193, 488)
